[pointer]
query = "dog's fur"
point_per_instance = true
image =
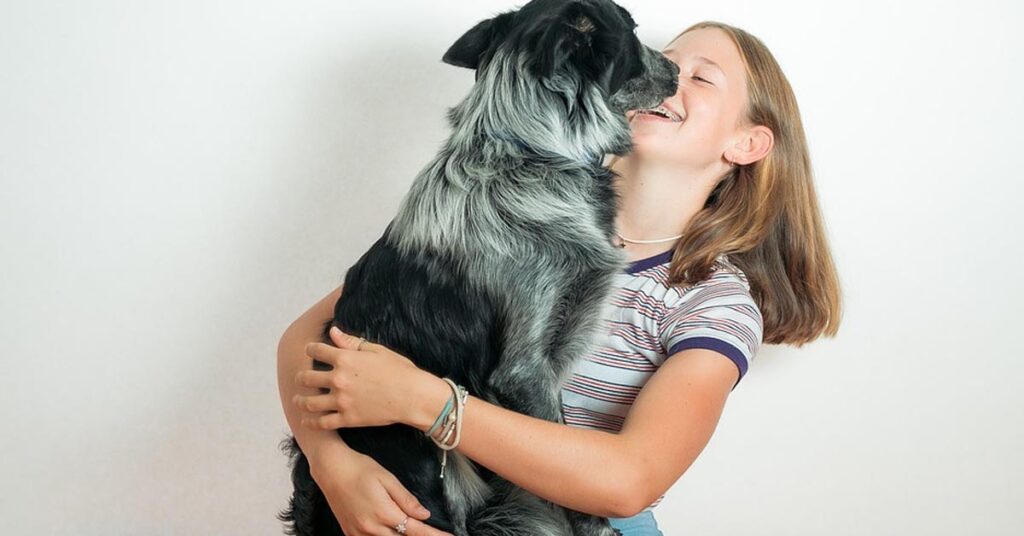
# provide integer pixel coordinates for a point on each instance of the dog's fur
(496, 266)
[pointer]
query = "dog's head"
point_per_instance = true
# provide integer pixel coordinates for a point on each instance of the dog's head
(576, 64)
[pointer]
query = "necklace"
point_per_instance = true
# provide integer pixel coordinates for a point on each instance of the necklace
(624, 239)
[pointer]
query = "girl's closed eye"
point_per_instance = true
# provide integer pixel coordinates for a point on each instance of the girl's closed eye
(701, 79)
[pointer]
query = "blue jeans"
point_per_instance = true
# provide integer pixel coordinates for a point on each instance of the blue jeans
(642, 524)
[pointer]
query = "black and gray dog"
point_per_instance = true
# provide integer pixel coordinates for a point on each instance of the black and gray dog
(495, 269)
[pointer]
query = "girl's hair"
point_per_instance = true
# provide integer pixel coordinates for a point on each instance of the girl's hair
(765, 215)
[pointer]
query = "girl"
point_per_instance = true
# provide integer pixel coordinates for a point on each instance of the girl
(719, 218)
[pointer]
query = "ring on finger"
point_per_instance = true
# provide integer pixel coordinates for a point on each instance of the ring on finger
(401, 526)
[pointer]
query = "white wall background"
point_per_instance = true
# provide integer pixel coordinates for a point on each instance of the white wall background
(180, 180)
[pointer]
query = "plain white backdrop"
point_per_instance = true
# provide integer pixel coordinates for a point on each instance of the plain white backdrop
(181, 180)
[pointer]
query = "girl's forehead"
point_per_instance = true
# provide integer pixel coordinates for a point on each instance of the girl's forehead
(706, 47)
(705, 42)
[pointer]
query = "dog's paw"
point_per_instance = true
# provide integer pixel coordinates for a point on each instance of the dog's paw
(617, 531)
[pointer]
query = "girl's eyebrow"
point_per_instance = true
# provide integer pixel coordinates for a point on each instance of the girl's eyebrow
(701, 59)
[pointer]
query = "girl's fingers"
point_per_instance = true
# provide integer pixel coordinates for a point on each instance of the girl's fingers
(329, 353)
(351, 342)
(321, 352)
(314, 378)
(415, 527)
(324, 421)
(344, 340)
(412, 508)
(403, 497)
(315, 403)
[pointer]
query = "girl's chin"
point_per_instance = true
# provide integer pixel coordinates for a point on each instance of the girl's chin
(653, 143)
(650, 129)
(652, 150)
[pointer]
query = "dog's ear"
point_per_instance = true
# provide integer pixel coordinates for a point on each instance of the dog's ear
(594, 38)
(470, 49)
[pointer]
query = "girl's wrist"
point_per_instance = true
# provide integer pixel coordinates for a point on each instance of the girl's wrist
(330, 452)
(429, 395)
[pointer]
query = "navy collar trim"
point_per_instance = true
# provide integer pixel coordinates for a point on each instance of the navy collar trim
(649, 262)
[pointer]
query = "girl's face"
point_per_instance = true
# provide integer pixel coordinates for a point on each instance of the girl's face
(712, 93)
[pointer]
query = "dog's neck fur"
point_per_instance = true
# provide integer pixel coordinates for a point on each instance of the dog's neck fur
(593, 160)
(520, 162)
(554, 117)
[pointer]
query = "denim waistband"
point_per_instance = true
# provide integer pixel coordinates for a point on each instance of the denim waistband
(642, 524)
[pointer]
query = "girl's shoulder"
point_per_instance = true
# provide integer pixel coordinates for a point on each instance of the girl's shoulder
(649, 291)
(724, 276)
(724, 269)
(726, 287)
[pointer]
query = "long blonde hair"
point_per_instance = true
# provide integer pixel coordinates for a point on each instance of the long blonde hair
(765, 215)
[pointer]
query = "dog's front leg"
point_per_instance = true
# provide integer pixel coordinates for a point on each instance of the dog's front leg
(525, 382)
(574, 336)
(527, 378)
(531, 388)
(582, 319)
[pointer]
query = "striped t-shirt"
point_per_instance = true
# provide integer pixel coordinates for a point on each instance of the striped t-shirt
(645, 322)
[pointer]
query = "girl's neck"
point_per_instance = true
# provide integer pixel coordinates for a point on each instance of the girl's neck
(636, 252)
(654, 203)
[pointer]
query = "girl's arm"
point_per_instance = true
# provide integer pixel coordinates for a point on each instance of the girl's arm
(290, 360)
(586, 470)
(363, 496)
(597, 472)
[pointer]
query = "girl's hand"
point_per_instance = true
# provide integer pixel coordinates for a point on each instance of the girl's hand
(367, 499)
(368, 387)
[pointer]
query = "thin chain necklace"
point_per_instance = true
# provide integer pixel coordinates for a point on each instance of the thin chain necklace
(624, 239)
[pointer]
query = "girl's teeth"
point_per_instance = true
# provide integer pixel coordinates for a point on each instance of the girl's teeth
(662, 112)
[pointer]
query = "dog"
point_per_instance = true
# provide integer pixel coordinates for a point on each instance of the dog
(494, 271)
